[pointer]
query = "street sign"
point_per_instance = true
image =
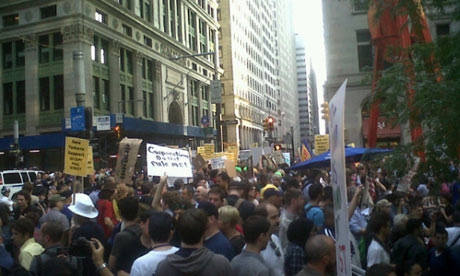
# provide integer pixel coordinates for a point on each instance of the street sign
(77, 118)
(119, 118)
(102, 123)
(216, 91)
(231, 122)
(68, 123)
(205, 121)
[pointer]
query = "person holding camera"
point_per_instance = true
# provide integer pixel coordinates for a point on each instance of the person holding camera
(51, 236)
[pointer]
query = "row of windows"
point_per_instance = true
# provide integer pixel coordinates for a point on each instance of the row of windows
(45, 12)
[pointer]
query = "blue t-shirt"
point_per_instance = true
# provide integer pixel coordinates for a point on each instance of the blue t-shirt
(219, 244)
(316, 215)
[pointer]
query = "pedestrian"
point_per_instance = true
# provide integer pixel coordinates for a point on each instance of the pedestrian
(312, 209)
(293, 204)
(228, 220)
(380, 228)
(106, 218)
(299, 231)
(22, 231)
(56, 203)
(321, 258)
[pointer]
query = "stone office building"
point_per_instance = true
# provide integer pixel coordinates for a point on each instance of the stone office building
(127, 47)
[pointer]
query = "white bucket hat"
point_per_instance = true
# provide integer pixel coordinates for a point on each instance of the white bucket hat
(84, 206)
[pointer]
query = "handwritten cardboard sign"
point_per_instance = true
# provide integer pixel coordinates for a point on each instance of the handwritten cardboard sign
(199, 162)
(218, 163)
(126, 162)
(173, 162)
(76, 156)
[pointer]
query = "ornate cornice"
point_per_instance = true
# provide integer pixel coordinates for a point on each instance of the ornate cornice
(78, 32)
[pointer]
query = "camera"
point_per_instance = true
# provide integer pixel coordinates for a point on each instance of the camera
(80, 248)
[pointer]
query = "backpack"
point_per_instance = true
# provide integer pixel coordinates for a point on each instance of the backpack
(73, 264)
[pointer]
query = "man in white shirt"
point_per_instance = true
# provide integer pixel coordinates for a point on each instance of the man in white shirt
(454, 231)
(380, 227)
(160, 232)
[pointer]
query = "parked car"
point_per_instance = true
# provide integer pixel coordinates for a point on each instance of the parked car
(15, 179)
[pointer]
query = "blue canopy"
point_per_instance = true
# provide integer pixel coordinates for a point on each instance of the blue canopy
(324, 159)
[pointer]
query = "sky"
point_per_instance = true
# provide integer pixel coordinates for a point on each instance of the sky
(308, 22)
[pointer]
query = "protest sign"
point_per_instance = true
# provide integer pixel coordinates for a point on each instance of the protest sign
(76, 156)
(200, 150)
(287, 158)
(218, 163)
(199, 162)
(230, 167)
(339, 187)
(90, 166)
(321, 143)
(278, 157)
(173, 162)
(126, 161)
(244, 155)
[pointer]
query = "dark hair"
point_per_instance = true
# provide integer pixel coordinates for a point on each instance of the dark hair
(440, 230)
(217, 190)
(128, 207)
(190, 189)
(213, 173)
(413, 224)
(106, 194)
(160, 226)
(235, 185)
(315, 191)
(380, 270)
(261, 210)
(172, 199)
(224, 176)
(146, 214)
(378, 220)
(299, 231)
(53, 229)
(328, 194)
(246, 209)
(23, 226)
(178, 184)
(191, 225)
(28, 187)
(253, 227)
(293, 183)
(290, 195)
(209, 208)
(25, 194)
(146, 188)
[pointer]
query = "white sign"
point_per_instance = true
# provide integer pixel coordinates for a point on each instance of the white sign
(287, 158)
(68, 123)
(102, 123)
(218, 163)
(337, 150)
(216, 91)
(119, 118)
(173, 162)
(244, 155)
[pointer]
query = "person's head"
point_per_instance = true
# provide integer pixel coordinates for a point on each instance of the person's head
(380, 224)
(22, 229)
(51, 233)
(170, 200)
(191, 226)
(235, 188)
(122, 191)
(68, 196)
(440, 238)
(223, 180)
(271, 213)
(188, 192)
(413, 269)
(400, 222)
(328, 212)
(216, 196)
(381, 270)
(383, 205)
(28, 187)
(276, 179)
(414, 227)
(315, 192)
(56, 201)
(23, 199)
(416, 209)
(201, 193)
(293, 200)
(273, 196)
(212, 213)
(160, 227)
(178, 184)
(228, 217)
(146, 188)
(327, 196)
(249, 192)
(300, 230)
(128, 207)
(108, 191)
(257, 231)
(320, 251)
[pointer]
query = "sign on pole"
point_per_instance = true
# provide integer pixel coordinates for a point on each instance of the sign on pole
(102, 123)
(90, 167)
(76, 156)
(336, 141)
(216, 91)
(321, 143)
(77, 118)
(126, 161)
(173, 162)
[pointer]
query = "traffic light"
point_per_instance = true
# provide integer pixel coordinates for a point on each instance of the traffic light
(325, 111)
(277, 147)
(117, 130)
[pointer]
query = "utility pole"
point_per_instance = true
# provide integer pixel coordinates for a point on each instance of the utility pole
(292, 144)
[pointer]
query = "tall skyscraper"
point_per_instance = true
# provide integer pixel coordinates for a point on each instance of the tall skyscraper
(257, 54)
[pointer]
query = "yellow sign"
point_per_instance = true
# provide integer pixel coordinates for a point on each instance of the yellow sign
(321, 143)
(200, 150)
(76, 156)
(90, 161)
(208, 151)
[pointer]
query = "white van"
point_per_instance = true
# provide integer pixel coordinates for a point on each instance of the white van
(14, 179)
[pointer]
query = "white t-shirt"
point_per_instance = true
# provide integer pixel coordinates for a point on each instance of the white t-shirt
(147, 264)
(273, 256)
(376, 254)
(452, 235)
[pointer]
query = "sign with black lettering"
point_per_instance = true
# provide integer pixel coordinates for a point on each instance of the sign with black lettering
(76, 156)
(173, 162)
(126, 161)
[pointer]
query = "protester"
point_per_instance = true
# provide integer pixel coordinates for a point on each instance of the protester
(454, 231)
(216, 196)
(106, 218)
(22, 231)
(249, 261)
(299, 231)
(294, 203)
(229, 218)
(24, 204)
(188, 193)
(160, 229)
(56, 203)
(192, 258)
(321, 258)
(201, 194)
(223, 180)
(273, 196)
(312, 210)
(380, 228)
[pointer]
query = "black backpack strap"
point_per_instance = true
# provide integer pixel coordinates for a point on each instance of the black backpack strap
(455, 241)
(39, 265)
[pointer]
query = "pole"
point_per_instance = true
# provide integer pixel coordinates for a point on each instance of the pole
(16, 143)
(292, 144)
(218, 105)
(79, 77)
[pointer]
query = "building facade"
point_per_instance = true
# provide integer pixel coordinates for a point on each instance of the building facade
(251, 59)
(127, 47)
(349, 54)
(307, 94)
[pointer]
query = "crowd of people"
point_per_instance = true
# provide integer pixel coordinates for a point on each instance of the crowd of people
(264, 221)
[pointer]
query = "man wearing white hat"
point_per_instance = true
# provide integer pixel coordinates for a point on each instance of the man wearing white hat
(84, 211)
